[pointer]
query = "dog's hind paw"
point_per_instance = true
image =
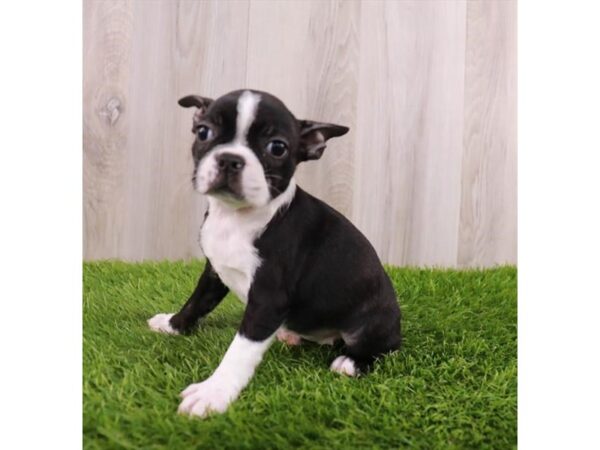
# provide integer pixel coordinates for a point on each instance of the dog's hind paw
(161, 323)
(288, 337)
(345, 366)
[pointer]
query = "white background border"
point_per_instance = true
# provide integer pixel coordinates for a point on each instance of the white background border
(559, 224)
(40, 234)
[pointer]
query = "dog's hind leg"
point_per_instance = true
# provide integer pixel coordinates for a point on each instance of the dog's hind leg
(363, 345)
(288, 337)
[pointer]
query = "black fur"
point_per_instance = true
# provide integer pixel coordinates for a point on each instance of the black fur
(318, 271)
(327, 276)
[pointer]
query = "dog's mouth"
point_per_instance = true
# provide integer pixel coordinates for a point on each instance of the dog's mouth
(226, 187)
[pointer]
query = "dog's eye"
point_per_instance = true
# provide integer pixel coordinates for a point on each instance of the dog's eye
(277, 149)
(204, 133)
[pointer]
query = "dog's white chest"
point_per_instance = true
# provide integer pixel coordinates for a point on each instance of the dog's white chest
(228, 235)
(227, 240)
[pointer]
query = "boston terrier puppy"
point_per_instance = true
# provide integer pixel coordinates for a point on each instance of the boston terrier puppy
(301, 268)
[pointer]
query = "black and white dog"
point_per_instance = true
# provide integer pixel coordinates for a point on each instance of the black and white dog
(302, 269)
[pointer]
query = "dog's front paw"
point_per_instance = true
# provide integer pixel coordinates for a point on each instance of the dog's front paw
(210, 396)
(162, 324)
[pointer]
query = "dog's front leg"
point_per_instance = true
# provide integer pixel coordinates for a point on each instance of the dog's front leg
(235, 371)
(263, 316)
(209, 292)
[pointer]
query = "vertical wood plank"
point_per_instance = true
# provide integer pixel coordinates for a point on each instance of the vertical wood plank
(488, 215)
(410, 112)
(306, 53)
(178, 48)
(107, 30)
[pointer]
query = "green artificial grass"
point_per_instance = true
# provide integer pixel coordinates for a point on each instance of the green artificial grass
(453, 384)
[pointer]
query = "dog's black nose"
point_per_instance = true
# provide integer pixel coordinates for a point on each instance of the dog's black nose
(230, 162)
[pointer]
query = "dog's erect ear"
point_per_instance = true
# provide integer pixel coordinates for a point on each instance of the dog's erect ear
(201, 103)
(314, 135)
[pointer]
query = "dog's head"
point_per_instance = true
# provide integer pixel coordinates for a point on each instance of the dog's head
(248, 145)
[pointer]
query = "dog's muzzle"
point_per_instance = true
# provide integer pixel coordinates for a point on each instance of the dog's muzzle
(228, 178)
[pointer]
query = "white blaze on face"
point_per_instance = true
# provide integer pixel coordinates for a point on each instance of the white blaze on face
(246, 112)
(255, 189)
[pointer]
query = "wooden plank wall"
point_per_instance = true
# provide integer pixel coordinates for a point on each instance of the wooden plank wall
(428, 171)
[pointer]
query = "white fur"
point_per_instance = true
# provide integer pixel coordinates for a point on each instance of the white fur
(217, 392)
(228, 236)
(246, 112)
(344, 365)
(255, 189)
(160, 323)
(206, 173)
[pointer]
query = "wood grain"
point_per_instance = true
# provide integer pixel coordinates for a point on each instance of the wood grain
(488, 214)
(187, 51)
(407, 194)
(108, 28)
(428, 88)
(315, 75)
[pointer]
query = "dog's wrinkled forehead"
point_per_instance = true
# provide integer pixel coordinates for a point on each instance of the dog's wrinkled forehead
(260, 122)
(244, 114)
